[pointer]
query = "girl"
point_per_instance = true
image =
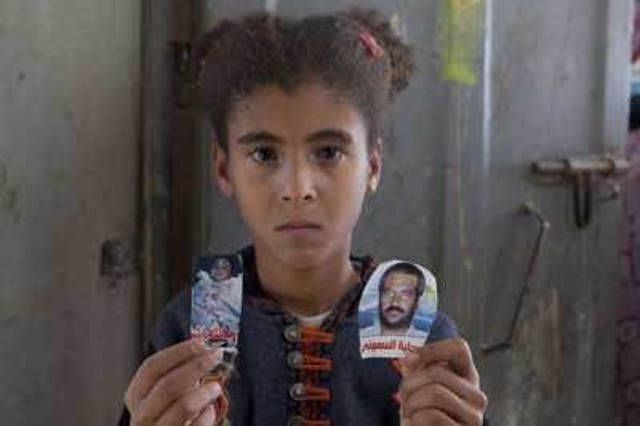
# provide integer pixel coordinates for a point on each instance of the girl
(298, 110)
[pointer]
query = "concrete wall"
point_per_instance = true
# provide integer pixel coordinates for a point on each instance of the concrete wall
(69, 114)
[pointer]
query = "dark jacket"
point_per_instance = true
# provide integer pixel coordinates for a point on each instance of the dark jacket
(266, 388)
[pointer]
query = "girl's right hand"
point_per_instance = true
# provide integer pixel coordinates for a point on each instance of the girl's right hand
(166, 389)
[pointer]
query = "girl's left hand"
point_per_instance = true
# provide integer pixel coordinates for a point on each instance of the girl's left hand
(441, 386)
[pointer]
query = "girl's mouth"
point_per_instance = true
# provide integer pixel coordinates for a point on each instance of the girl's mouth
(298, 225)
(299, 229)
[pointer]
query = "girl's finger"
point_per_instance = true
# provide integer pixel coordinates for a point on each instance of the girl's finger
(444, 376)
(191, 405)
(159, 364)
(207, 417)
(455, 352)
(175, 384)
(432, 417)
(437, 397)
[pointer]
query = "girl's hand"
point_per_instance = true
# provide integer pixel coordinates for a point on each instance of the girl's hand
(166, 389)
(441, 386)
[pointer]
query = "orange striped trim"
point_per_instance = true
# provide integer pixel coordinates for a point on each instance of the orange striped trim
(317, 423)
(314, 393)
(315, 335)
(315, 363)
(301, 421)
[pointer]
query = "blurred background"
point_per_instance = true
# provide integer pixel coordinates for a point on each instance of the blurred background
(512, 172)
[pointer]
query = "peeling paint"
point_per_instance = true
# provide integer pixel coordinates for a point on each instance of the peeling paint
(10, 199)
(58, 176)
(544, 331)
(271, 6)
(4, 175)
(9, 195)
(10, 321)
(536, 368)
(460, 32)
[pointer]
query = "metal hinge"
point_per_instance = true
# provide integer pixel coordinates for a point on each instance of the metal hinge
(584, 173)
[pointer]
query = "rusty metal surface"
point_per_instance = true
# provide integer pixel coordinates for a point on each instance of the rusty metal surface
(549, 83)
(156, 132)
(184, 151)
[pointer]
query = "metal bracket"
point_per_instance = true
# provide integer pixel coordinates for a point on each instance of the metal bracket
(582, 173)
(582, 199)
(543, 228)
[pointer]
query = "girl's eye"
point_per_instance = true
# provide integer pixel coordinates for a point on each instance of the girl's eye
(330, 154)
(264, 155)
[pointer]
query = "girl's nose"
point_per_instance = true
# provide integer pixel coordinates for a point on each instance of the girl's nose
(298, 186)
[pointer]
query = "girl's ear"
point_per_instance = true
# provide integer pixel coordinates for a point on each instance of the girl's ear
(375, 166)
(221, 170)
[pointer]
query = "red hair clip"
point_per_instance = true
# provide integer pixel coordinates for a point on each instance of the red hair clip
(371, 44)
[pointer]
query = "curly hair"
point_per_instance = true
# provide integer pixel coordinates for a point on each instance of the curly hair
(354, 53)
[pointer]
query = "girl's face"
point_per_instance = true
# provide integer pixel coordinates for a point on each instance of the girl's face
(299, 168)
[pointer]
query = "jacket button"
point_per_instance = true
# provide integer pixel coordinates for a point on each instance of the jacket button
(294, 359)
(297, 391)
(295, 421)
(292, 333)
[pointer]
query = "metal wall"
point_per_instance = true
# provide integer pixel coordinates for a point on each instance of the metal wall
(456, 174)
(559, 87)
(69, 114)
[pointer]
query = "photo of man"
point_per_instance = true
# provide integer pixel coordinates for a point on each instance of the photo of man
(397, 309)
(400, 288)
